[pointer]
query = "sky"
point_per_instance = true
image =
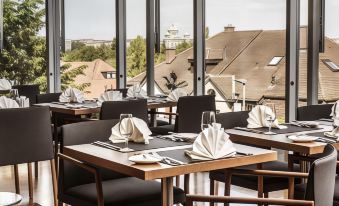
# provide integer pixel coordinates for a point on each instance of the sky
(95, 19)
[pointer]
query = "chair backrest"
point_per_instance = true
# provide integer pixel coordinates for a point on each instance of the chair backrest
(30, 91)
(314, 112)
(230, 120)
(83, 133)
(113, 109)
(25, 135)
(190, 109)
(321, 180)
(47, 98)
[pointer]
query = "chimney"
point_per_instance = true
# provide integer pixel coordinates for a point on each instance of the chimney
(170, 55)
(229, 28)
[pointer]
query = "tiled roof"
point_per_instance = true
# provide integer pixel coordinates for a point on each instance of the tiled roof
(247, 56)
(93, 75)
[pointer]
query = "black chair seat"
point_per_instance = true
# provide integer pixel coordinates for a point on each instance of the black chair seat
(336, 191)
(124, 191)
(163, 130)
(299, 191)
(162, 122)
(251, 182)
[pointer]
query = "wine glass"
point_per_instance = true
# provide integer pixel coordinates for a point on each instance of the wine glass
(270, 116)
(207, 118)
(126, 129)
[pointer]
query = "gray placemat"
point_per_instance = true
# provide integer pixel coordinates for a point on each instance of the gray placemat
(290, 129)
(181, 156)
(153, 144)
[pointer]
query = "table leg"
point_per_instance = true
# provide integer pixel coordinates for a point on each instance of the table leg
(167, 191)
(153, 117)
(56, 138)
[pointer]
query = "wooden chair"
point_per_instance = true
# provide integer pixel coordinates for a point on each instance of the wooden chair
(314, 112)
(230, 120)
(30, 91)
(26, 137)
(81, 184)
(188, 115)
(318, 190)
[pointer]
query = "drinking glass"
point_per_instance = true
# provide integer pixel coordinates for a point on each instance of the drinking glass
(270, 116)
(207, 118)
(126, 129)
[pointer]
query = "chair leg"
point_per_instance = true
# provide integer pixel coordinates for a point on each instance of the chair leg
(30, 182)
(177, 181)
(265, 196)
(260, 184)
(290, 180)
(212, 192)
(54, 182)
(16, 179)
(227, 191)
(36, 170)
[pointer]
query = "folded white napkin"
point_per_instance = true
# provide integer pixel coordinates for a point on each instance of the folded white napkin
(72, 95)
(335, 114)
(5, 84)
(141, 132)
(176, 94)
(23, 101)
(257, 118)
(110, 96)
(7, 103)
(212, 143)
(136, 91)
(333, 134)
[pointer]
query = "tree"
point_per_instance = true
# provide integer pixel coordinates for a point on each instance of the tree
(23, 58)
(68, 76)
(183, 46)
(136, 56)
(77, 45)
(207, 32)
(89, 53)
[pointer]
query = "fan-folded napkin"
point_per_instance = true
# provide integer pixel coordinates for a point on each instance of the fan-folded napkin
(257, 118)
(212, 143)
(335, 116)
(136, 91)
(176, 94)
(72, 95)
(110, 96)
(7, 103)
(141, 132)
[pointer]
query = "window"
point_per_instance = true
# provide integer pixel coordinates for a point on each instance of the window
(109, 75)
(331, 65)
(275, 61)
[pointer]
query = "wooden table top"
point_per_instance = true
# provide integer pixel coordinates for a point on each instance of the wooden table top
(280, 141)
(119, 162)
(58, 108)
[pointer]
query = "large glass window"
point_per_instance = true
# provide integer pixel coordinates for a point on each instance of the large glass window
(245, 53)
(88, 62)
(23, 58)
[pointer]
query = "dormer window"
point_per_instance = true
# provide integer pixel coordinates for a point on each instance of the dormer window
(331, 65)
(275, 61)
(109, 75)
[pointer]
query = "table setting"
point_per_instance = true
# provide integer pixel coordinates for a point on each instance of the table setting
(262, 120)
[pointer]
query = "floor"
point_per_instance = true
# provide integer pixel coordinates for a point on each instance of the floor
(43, 194)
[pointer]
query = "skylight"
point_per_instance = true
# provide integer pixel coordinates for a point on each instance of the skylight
(331, 65)
(275, 61)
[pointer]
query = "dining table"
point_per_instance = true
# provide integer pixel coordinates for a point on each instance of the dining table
(89, 107)
(119, 162)
(280, 139)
